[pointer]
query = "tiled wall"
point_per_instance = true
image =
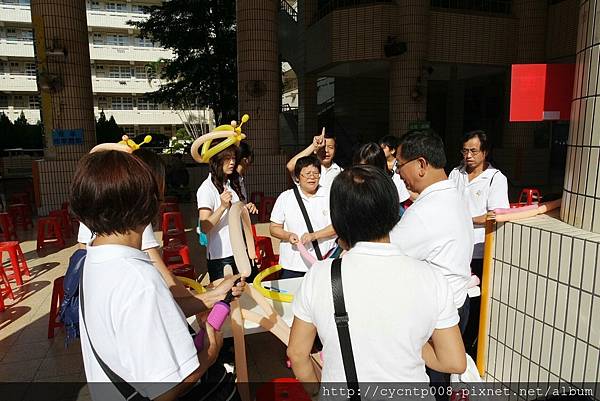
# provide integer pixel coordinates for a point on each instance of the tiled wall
(561, 37)
(581, 195)
(259, 76)
(545, 304)
(55, 179)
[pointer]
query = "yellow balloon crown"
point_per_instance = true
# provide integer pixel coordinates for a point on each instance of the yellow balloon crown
(134, 146)
(231, 133)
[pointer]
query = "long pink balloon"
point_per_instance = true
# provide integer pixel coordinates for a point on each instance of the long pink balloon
(304, 252)
(526, 212)
(515, 209)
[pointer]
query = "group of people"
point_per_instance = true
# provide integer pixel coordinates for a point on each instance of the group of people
(411, 238)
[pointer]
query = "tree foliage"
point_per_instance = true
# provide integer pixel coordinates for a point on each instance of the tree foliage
(20, 134)
(107, 130)
(202, 34)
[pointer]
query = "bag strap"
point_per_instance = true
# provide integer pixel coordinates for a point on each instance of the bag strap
(127, 390)
(341, 321)
(315, 243)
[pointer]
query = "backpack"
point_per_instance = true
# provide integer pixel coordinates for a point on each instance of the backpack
(69, 309)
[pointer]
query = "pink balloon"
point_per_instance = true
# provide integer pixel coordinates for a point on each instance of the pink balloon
(304, 252)
(516, 209)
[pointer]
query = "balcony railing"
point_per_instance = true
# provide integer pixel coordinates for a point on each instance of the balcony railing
(327, 6)
(486, 6)
(289, 10)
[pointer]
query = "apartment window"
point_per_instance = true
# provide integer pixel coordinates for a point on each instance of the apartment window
(11, 34)
(3, 102)
(15, 68)
(116, 40)
(140, 72)
(102, 102)
(119, 72)
(34, 102)
(146, 104)
(119, 7)
(30, 69)
(96, 5)
(121, 103)
(97, 39)
(19, 102)
(143, 42)
(100, 73)
(137, 9)
(3, 67)
(26, 35)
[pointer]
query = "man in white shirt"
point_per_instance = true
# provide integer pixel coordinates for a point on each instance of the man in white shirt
(484, 189)
(324, 147)
(437, 227)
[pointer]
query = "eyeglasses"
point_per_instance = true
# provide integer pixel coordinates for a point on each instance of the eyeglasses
(400, 165)
(311, 175)
(474, 152)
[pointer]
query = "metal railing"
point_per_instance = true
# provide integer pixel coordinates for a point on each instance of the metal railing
(487, 6)
(289, 10)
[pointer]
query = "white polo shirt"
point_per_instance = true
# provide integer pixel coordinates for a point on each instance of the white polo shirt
(438, 229)
(85, 236)
(219, 245)
(134, 324)
(328, 174)
(403, 193)
(486, 192)
(388, 328)
(286, 211)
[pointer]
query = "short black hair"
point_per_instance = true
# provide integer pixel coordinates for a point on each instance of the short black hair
(370, 154)
(113, 192)
(246, 151)
(423, 143)
(368, 195)
(329, 135)
(306, 161)
(483, 139)
(390, 141)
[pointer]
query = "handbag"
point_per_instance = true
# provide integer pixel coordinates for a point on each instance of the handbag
(309, 226)
(341, 321)
(216, 384)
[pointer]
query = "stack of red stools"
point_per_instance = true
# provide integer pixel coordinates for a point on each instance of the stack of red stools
(177, 259)
(264, 251)
(74, 221)
(17, 261)
(49, 233)
(172, 228)
(166, 207)
(21, 215)
(265, 208)
(9, 231)
(65, 221)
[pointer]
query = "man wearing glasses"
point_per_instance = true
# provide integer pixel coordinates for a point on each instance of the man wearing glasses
(437, 228)
(484, 189)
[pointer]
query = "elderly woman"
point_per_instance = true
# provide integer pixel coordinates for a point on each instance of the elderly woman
(401, 312)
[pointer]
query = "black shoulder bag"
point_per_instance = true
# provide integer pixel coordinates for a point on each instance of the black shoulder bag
(315, 243)
(341, 321)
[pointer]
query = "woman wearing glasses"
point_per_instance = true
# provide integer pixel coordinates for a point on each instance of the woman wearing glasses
(484, 188)
(288, 223)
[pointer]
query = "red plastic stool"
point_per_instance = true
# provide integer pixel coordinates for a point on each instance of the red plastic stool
(529, 196)
(5, 289)
(58, 293)
(21, 215)
(176, 250)
(47, 238)
(2, 306)
(21, 197)
(9, 232)
(166, 207)
(282, 389)
(183, 270)
(17, 260)
(266, 206)
(65, 221)
(174, 230)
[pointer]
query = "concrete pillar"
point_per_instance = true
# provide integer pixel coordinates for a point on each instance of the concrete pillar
(581, 195)
(64, 80)
(307, 109)
(408, 97)
(455, 106)
(259, 75)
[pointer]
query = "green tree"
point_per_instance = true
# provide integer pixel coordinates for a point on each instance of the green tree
(202, 34)
(6, 130)
(107, 130)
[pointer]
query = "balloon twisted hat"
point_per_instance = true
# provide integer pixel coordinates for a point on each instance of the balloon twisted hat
(231, 133)
(124, 145)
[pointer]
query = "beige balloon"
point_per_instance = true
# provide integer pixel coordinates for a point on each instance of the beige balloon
(240, 219)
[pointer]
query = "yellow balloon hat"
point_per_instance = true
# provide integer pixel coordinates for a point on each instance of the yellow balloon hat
(134, 146)
(231, 133)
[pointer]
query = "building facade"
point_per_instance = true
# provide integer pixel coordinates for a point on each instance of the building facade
(118, 60)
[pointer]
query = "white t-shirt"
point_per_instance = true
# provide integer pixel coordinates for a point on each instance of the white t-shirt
(286, 211)
(487, 191)
(85, 236)
(438, 229)
(388, 327)
(134, 324)
(403, 193)
(219, 245)
(328, 174)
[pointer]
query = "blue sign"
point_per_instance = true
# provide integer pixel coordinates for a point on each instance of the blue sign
(61, 137)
